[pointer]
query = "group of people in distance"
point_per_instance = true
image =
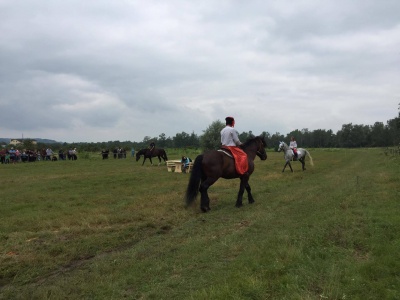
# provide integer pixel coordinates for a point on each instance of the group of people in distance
(12, 155)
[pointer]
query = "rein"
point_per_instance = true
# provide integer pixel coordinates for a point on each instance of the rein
(258, 150)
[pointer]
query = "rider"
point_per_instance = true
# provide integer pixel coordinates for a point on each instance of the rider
(230, 140)
(152, 146)
(293, 146)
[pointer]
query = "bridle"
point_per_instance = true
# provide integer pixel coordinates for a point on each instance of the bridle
(259, 149)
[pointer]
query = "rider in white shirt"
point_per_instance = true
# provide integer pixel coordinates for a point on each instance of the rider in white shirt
(230, 139)
(293, 146)
(229, 136)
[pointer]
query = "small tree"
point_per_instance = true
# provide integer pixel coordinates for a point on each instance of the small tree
(28, 144)
(211, 138)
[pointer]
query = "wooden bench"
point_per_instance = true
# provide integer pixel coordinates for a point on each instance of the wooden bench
(176, 166)
(171, 164)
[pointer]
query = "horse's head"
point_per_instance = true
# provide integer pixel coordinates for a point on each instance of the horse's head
(261, 144)
(257, 145)
(281, 146)
(138, 154)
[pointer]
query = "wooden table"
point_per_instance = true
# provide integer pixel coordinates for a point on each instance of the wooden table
(174, 166)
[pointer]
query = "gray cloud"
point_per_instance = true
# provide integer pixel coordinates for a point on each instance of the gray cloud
(122, 70)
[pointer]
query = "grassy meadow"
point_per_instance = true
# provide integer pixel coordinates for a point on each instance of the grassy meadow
(114, 229)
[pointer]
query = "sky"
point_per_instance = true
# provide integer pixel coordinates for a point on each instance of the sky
(106, 70)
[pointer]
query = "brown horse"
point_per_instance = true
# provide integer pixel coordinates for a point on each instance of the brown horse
(212, 165)
(147, 153)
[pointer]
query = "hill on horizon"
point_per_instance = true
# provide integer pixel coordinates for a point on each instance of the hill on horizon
(39, 140)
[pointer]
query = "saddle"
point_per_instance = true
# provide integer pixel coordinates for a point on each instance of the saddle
(295, 154)
(239, 157)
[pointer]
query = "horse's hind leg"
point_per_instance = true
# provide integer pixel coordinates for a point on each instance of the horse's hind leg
(303, 163)
(205, 200)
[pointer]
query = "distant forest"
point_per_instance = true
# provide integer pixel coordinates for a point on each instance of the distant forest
(350, 136)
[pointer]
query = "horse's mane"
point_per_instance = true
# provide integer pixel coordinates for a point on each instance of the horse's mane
(251, 140)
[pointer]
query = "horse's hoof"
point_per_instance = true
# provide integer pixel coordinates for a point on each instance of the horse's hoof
(205, 209)
(239, 205)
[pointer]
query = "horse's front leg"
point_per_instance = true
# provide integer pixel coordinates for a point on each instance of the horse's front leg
(151, 162)
(159, 159)
(288, 164)
(243, 185)
(284, 167)
(144, 159)
(249, 195)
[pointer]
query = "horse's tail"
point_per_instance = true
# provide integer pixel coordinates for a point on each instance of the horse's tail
(165, 155)
(309, 155)
(194, 181)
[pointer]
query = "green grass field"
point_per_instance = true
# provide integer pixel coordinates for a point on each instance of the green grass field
(113, 229)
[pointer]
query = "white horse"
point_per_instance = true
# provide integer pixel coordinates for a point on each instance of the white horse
(289, 155)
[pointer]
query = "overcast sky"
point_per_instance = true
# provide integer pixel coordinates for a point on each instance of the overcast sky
(94, 71)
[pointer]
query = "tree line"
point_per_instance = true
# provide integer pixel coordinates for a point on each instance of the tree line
(349, 136)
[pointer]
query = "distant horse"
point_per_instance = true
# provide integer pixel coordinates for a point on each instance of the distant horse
(156, 152)
(289, 155)
(212, 165)
(104, 153)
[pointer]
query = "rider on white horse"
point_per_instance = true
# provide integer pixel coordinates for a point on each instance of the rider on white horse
(293, 146)
(289, 154)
